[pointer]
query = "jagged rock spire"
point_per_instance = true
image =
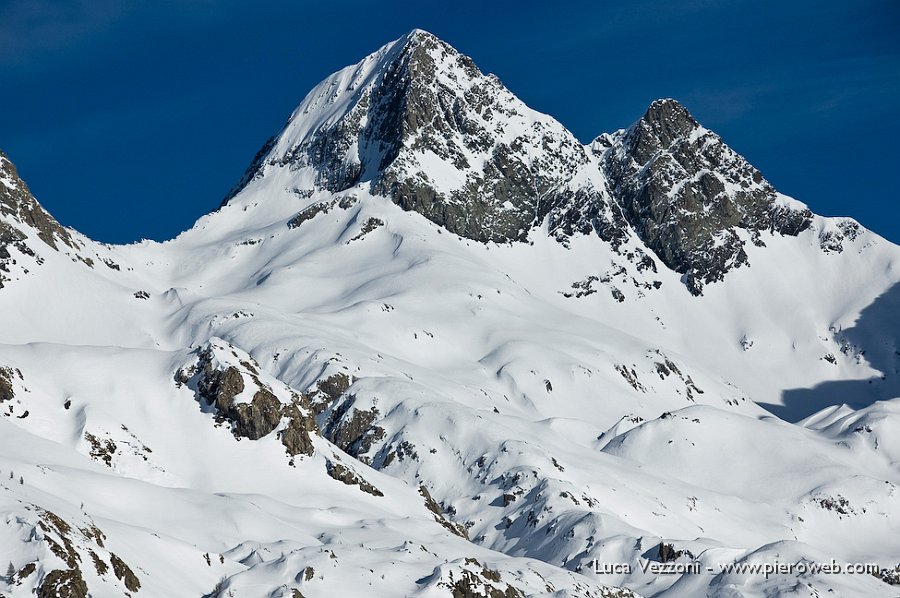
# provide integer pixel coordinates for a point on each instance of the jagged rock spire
(664, 122)
(686, 194)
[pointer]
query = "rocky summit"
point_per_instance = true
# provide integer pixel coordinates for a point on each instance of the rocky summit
(691, 198)
(433, 345)
(417, 122)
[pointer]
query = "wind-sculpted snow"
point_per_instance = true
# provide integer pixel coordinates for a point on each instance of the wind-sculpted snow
(321, 390)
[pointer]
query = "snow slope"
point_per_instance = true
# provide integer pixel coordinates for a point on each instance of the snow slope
(322, 389)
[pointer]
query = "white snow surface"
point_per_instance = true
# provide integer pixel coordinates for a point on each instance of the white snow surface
(757, 423)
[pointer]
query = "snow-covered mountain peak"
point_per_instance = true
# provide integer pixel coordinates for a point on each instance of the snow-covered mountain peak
(363, 107)
(415, 58)
(665, 121)
(419, 123)
(692, 199)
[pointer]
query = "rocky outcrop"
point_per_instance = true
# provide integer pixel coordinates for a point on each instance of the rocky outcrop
(667, 553)
(296, 435)
(254, 419)
(124, 573)
(352, 429)
(233, 384)
(690, 197)
(320, 208)
(439, 516)
(17, 202)
(328, 390)
(836, 232)
(255, 404)
(7, 375)
(471, 579)
(63, 583)
(74, 547)
(343, 419)
(346, 475)
(890, 576)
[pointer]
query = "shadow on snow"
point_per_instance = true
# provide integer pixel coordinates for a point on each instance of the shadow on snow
(876, 337)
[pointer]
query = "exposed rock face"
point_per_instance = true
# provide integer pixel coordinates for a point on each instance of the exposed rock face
(417, 110)
(251, 420)
(343, 420)
(63, 583)
(319, 208)
(124, 573)
(17, 202)
(471, 579)
(439, 516)
(353, 429)
(832, 237)
(225, 386)
(346, 475)
(688, 195)
(296, 435)
(75, 547)
(667, 553)
(328, 390)
(7, 392)
(9, 235)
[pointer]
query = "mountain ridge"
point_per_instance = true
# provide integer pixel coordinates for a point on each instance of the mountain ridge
(429, 112)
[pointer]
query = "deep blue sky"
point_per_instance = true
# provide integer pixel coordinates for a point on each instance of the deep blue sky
(131, 119)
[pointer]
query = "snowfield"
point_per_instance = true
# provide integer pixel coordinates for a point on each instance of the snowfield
(314, 392)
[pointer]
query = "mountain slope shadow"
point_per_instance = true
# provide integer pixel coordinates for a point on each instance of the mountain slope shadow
(876, 335)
